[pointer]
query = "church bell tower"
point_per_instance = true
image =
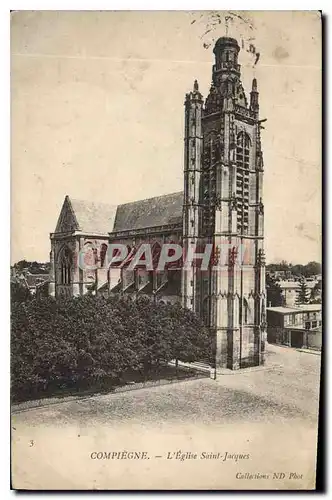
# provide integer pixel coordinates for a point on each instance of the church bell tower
(224, 156)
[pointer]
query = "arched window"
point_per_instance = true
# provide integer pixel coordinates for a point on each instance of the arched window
(243, 145)
(103, 253)
(128, 275)
(65, 266)
(157, 277)
(155, 251)
(116, 252)
(263, 313)
(130, 254)
(206, 311)
(245, 311)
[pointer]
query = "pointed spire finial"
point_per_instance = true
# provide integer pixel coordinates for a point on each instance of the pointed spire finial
(196, 86)
(254, 84)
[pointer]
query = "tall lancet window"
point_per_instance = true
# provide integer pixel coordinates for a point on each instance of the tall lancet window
(66, 261)
(206, 311)
(103, 252)
(243, 145)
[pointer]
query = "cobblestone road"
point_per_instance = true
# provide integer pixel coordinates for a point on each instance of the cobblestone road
(272, 411)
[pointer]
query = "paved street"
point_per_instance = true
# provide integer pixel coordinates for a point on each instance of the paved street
(269, 413)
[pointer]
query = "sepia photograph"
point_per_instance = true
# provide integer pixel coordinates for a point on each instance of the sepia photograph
(166, 249)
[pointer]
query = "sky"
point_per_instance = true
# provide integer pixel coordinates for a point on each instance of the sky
(97, 113)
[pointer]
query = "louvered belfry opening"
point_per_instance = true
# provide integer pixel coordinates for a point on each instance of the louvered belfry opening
(242, 181)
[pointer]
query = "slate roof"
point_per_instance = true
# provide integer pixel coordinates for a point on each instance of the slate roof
(151, 212)
(95, 218)
(295, 309)
(102, 218)
(284, 310)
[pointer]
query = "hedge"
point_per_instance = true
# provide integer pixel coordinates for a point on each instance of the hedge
(56, 344)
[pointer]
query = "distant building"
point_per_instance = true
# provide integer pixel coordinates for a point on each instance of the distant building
(289, 291)
(295, 326)
(279, 274)
(33, 281)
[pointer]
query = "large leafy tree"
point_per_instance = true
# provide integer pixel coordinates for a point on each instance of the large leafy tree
(310, 269)
(313, 268)
(33, 267)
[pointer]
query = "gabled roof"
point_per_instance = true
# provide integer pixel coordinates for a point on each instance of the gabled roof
(86, 216)
(151, 212)
(102, 218)
(94, 217)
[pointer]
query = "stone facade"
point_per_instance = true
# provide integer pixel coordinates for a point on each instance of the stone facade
(221, 205)
(289, 290)
(81, 229)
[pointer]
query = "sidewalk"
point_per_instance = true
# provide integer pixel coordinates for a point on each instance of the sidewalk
(241, 371)
(309, 351)
(226, 371)
(59, 399)
(298, 349)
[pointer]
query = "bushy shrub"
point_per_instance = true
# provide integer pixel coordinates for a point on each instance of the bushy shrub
(63, 343)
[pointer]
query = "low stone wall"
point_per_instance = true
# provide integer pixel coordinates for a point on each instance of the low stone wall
(315, 339)
(157, 383)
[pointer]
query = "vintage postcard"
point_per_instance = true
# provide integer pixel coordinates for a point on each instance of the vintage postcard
(166, 279)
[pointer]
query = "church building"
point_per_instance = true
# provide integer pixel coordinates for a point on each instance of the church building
(221, 205)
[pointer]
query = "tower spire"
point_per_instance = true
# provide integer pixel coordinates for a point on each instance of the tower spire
(231, 209)
(192, 179)
(254, 105)
(227, 18)
(226, 51)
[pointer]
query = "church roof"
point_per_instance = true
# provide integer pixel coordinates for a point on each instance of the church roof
(97, 218)
(86, 216)
(151, 212)
(102, 218)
